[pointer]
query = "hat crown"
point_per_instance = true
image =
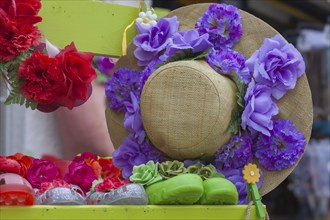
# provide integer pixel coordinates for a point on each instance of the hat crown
(186, 109)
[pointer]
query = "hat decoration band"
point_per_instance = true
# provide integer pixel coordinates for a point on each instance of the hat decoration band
(262, 79)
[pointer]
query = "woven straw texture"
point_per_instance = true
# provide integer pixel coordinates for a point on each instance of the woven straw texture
(185, 111)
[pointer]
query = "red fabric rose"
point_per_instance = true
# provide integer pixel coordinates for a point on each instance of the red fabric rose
(52, 184)
(79, 72)
(24, 161)
(17, 30)
(42, 79)
(109, 184)
(8, 165)
(108, 169)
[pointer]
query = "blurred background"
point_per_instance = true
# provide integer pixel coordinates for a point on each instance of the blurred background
(305, 194)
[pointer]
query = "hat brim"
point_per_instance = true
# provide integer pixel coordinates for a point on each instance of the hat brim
(295, 106)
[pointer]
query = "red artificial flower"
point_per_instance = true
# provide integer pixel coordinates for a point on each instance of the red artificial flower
(79, 72)
(17, 30)
(108, 168)
(109, 184)
(8, 165)
(24, 161)
(42, 80)
(52, 184)
(41, 171)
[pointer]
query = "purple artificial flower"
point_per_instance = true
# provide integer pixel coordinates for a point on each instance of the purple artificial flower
(259, 109)
(147, 71)
(228, 61)
(80, 174)
(133, 120)
(119, 86)
(41, 171)
(276, 64)
(223, 23)
(187, 40)
(236, 154)
(150, 44)
(128, 155)
(105, 64)
(151, 152)
(282, 149)
(236, 177)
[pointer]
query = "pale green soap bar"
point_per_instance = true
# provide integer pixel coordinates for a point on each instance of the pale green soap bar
(184, 189)
(219, 191)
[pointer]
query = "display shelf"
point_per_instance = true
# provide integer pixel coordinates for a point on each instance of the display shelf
(127, 212)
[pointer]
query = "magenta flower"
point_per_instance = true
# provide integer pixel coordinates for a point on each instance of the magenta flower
(80, 174)
(85, 156)
(41, 171)
(259, 109)
(276, 64)
(150, 44)
(282, 149)
(223, 23)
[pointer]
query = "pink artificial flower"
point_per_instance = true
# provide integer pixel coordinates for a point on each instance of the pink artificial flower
(41, 171)
(80, 174)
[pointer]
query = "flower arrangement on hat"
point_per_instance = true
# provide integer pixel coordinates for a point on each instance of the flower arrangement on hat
(261, 80)
(37, 79)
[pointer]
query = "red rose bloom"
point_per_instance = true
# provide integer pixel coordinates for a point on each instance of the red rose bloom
(17, 30)
(24, 162)
(109, 184)
(108, 169)
(79, 72)
(8, 165)
(42, 79)
(52, 184)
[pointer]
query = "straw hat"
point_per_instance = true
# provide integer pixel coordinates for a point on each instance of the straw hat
(186, 106)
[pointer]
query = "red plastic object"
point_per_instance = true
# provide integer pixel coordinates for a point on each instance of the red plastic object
(15, 190)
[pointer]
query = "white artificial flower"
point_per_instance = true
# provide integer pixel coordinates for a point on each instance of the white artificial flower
(147, 18)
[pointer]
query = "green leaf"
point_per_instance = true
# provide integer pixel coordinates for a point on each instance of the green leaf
(235, 122)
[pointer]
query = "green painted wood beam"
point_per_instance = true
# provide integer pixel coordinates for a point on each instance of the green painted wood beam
(93, 26)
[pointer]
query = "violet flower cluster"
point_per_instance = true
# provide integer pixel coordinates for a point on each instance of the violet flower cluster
(119, 86)
(234, 155)
(133, 120)
(223, 23)
(282, 149)
(190, 40)
(229, 62)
